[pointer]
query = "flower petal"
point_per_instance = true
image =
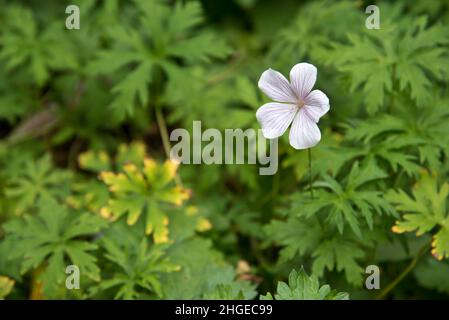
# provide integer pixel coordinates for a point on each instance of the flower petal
(304, 132)
(303, 78)
(275, 118)
(276, 86)
(316, 105)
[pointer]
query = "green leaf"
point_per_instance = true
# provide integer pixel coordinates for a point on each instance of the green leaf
(409, 54)
(203, 269)
(411, 134)
(147, 191)
(37, 180)
(425, 211)
(341, 255)
(296, 236)
(432, 274)
(6, 285)
(53, 239)
(35, 50)
(348, 202)
(162, 39)
(224, 292)
(96, 161)
(302, 287)
(138, 265)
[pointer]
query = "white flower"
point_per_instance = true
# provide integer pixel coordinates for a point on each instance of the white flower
(295, 102)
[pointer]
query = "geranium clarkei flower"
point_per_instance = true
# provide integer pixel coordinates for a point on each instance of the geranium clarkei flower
(295, 103)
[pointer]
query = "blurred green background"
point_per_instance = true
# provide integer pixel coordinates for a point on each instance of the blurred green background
(85, 116)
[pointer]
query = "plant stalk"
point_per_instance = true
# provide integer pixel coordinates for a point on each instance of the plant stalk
(309, 152)
(165, 138)
(403, 274)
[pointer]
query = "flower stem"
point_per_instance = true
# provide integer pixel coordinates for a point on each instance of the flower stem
(309, 152)
(274, 190)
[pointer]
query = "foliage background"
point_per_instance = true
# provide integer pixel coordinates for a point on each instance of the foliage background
(83, 176)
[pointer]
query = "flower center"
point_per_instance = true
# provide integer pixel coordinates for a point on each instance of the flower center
(300, 103)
